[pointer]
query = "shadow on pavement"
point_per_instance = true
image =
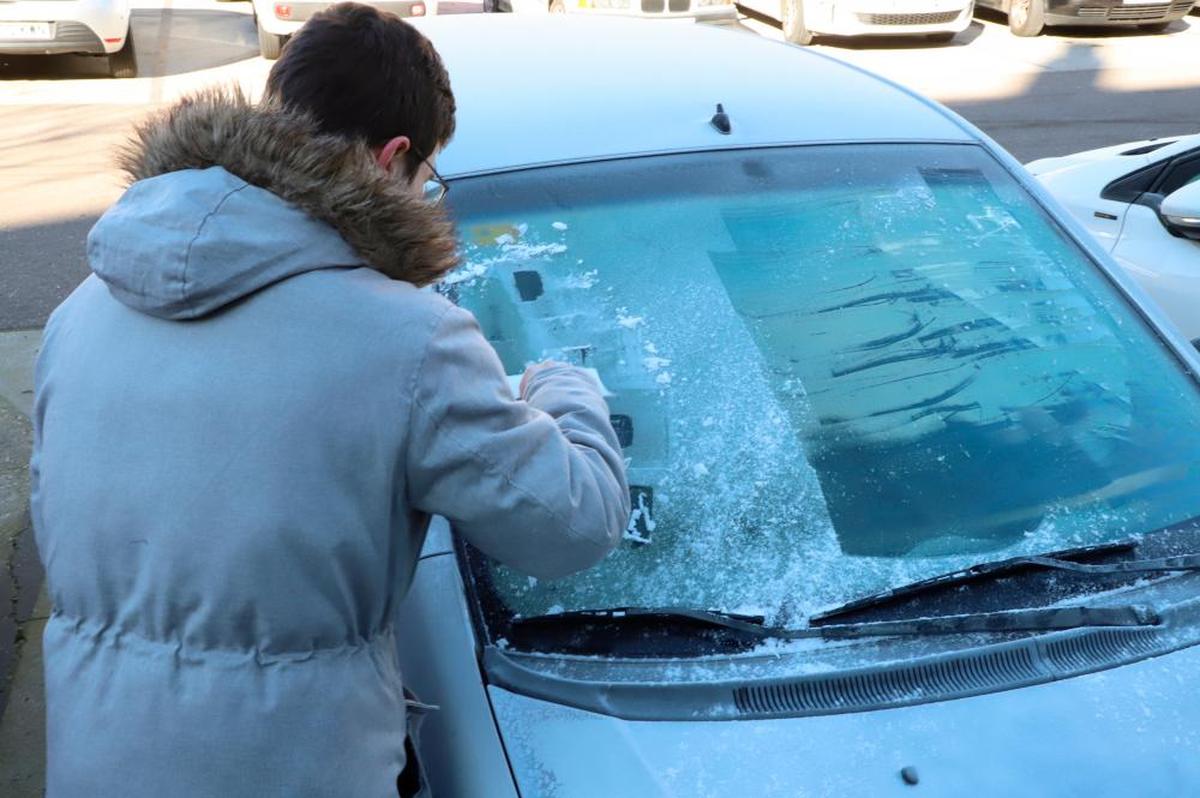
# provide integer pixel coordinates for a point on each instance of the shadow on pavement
(1074, 99)
(42, 264)
(168, 42)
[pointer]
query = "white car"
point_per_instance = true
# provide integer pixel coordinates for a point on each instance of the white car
(803, 20)
(276, 21)
(842, 359)
(1125, 195)
(64, 27)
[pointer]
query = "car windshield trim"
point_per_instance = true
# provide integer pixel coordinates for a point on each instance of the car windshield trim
(728, 148)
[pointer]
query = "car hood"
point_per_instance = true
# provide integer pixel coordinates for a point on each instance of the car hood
(1127, 731)
(1114, 154)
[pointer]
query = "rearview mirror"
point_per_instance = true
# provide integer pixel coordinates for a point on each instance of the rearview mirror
(1180, 211)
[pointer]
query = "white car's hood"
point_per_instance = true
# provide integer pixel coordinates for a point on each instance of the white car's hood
(1128, 731)
(1114, 155)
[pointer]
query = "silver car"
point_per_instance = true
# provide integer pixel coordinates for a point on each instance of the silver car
(915, 472)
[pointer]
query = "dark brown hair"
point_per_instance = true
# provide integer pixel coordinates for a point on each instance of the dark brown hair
(367, 74)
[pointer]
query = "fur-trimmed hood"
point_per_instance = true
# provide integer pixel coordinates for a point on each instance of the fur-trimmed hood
(227, 197)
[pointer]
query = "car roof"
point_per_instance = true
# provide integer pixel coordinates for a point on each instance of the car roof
(558, 88)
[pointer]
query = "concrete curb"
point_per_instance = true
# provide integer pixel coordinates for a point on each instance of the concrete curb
(20, 568)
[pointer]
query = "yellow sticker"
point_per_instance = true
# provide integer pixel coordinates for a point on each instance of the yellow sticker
(486, 234)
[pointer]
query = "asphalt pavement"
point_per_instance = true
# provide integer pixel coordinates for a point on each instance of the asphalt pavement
(61, 118)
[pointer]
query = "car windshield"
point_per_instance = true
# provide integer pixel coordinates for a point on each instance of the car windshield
(833, 369)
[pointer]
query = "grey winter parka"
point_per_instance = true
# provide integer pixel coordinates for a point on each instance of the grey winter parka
(244, 420)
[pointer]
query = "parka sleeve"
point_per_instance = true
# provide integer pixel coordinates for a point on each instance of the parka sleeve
(537, 484)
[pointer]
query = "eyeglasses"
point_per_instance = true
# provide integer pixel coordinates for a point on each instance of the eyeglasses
(435, 188)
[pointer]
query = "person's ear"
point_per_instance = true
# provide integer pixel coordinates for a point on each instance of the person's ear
(388, 152)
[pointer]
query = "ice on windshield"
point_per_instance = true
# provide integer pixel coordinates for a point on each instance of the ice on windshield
(841, 376)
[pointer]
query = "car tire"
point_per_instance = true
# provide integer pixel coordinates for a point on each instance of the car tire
(1155, 27)
(1027, 17)
(791, 19)
(269, 44)
(123, 63)
(940, 38)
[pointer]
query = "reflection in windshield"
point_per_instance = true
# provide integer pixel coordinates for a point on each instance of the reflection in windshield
(848, 368)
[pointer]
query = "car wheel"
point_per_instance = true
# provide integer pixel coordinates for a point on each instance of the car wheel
(123, 63)
(1027, 17)
(791, 16)
(940, 38)
(269, 44)
(1155, 27)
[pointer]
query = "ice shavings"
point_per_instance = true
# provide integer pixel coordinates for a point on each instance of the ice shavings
(560, 226)
(583, 280)
(628, 321)
(509, 251)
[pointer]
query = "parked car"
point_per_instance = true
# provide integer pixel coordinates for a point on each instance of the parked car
(1125, 195)
(1031, 17)
(705, 10)
(276, 21)
(842, 360)
(70, 27)
(803, 20)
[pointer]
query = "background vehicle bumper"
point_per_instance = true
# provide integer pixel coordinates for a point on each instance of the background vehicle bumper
(69, 37)
(81, 26)
(1108, 12)
(303, 11)
(657, 9)
(875, 18)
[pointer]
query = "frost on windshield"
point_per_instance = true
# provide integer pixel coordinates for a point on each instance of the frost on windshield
(827, 392)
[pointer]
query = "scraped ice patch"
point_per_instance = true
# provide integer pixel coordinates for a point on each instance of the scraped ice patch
(655, 363)
(559, 226)
(505, 238)
(663, 378)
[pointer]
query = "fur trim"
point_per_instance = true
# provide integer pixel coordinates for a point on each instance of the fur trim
(331, 178)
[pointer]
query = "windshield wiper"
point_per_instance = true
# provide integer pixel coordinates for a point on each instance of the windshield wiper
(1059, 560)
(649, 630)
(614, 630)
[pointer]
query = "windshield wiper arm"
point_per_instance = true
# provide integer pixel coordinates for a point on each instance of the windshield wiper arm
(1058, 560)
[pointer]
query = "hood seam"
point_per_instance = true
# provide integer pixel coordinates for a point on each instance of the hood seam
(187, 257)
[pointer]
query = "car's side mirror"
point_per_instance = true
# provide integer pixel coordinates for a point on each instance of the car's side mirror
(1180, 211)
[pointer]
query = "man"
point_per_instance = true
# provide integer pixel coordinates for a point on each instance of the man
(247, 414)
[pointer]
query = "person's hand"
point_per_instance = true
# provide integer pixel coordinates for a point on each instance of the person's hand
(536, 367)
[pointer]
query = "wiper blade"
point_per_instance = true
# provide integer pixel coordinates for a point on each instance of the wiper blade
(1059, 560)
(1027, 620)
(634, 615)
(645, 630)
(750, 629)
